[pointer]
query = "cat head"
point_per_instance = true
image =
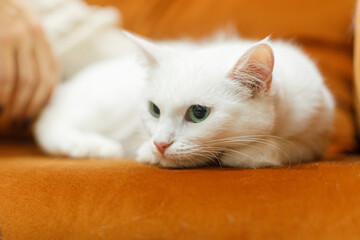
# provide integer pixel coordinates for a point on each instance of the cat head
(201, 102)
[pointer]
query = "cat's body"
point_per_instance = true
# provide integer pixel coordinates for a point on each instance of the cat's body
(261, 112)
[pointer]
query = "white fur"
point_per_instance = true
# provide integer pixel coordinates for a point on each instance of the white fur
(103, 111)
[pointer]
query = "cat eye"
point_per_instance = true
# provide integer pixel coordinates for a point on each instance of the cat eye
(197, 113)
(154, 110)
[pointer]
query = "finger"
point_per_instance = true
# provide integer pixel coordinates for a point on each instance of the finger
(26, 81)
(39, 100)
(47, 80)
(45, 51)
(7, 74)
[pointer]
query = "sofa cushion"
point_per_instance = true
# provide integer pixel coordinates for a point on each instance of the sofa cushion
(53, 198)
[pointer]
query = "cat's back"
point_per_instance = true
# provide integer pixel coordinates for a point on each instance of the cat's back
(108, 81)
(119, 71)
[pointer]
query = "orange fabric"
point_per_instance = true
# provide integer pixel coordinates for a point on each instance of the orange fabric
(321, 27)
(44, 198)
(357, 62)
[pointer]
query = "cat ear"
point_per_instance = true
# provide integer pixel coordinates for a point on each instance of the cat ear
(151, 51)
(254, 69)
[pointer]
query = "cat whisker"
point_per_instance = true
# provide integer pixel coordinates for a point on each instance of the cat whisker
(204, 153)
(260, 141)
(255, 137)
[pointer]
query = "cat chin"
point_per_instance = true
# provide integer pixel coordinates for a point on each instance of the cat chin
(184, 162)
(180, 165)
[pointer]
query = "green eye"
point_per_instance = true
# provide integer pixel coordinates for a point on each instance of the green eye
(154, 110)
(197, 113)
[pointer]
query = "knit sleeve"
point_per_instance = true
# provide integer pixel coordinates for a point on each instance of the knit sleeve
(68, 23)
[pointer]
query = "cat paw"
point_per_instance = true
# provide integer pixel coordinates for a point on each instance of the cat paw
(147, 159)
(93, 146)
(145, 155)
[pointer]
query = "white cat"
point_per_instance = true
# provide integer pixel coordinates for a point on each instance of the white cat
(240, 103)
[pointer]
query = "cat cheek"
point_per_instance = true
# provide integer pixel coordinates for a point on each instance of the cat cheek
(148, 127)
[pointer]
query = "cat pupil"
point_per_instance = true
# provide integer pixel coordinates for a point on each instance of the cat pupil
(156, 109)
(199, 111)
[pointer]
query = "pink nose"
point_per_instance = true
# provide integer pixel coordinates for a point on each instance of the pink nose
(162, 146)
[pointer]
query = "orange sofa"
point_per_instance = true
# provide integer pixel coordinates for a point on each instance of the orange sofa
(56, 198)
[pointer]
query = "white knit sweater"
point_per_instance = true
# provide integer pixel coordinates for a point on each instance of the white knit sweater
(80, 34)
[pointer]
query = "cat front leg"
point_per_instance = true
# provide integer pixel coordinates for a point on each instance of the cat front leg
(93, 145)
(70, 142)
(268, 153)
(145, 154)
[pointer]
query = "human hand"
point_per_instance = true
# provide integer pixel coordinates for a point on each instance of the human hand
(28, 68)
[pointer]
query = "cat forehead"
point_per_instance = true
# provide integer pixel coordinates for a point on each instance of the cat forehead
(187, 82)
(183, 94)
(199, 77)
(202, 61)
(192, 69)
(176, 97)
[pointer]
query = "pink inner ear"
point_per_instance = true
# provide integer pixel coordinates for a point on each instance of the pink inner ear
(254, 69)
